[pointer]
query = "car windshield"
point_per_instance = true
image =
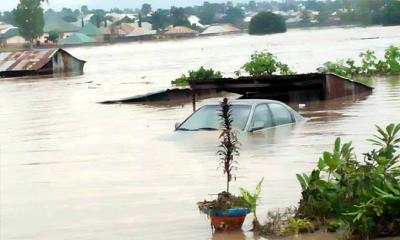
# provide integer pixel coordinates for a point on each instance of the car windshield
(207, 118)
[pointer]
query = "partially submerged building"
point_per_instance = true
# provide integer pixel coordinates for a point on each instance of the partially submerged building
(10, 38)
(220, 29)
(92, 31)
(39, 62)
(181, 31)
(77, 39)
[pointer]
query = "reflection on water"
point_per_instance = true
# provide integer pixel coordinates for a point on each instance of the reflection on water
(74, 169)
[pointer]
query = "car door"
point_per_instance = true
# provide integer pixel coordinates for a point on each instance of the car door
(261, 118)
(280, 114)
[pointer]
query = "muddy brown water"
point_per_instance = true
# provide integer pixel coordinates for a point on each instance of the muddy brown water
(74, 169)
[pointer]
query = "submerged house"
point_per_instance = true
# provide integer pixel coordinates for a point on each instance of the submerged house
(92, 31)
(181, 31)
(39, 62)
(76, 39)
(220, 29)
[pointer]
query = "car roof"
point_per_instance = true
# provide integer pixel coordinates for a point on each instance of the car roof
(249, 102)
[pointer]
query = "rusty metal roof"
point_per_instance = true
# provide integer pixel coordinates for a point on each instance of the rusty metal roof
(25, 60)
(181, 30)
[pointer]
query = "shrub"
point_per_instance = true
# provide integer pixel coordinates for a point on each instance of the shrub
(264, 63)
(267, 23)
(194, 75)
(370, 64)
(365, 195)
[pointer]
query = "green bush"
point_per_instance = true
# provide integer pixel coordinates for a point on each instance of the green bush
(391, 13)
(365, 195)
(200, 74)
(264, 63)
(267, 23)
(370, 64)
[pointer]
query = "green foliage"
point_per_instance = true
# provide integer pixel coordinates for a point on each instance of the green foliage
(267, 23)
(263, 64)
(365, 195)
(178, 17)
(54, 36)
(370, 64)
(391, 13)
(197, 75)
(251, 199)
(29, 19)
(228, 147)
(299, 225)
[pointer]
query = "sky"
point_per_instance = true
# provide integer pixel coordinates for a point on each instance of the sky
(8, 5)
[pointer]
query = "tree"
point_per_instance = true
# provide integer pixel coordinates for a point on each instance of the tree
(207, 13)
(54, 36)
(178, 17)
(146, 9)
(160, 19)
(29, 19)
(8, 18)
(233, 15)
(391, 13)
(84, 10)
(266, 23)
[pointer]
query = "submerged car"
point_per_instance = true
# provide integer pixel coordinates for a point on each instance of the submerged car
(248, 115)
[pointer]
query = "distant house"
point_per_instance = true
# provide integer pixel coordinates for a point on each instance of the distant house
(141, 33)
(56, 23)
(145, 25)
(76, 39)
(125, 28)
(181, 31)
(92, 31)
(10, 38)
(38, 62)
(220, 29)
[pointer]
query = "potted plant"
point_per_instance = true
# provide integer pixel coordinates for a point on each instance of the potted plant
(228, 211)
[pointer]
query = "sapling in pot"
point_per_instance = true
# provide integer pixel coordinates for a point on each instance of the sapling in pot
(228, 211)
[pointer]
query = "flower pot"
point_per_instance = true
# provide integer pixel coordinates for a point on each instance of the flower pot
(229, 219)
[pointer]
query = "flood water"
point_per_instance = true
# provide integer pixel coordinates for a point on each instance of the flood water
(74, 169)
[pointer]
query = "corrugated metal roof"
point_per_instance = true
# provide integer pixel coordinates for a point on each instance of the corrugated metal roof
(223, 28)
(181, 30)
(25, 60)
(141, 32)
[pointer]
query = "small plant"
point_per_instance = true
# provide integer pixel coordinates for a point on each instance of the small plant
(229, 143)
(197, 75)
(299, 225)
(228, 211)
(264, 63)
(251, 199)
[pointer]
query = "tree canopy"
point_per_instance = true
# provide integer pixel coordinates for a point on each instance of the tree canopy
(28, 16)
(266, 23)
(391, 13)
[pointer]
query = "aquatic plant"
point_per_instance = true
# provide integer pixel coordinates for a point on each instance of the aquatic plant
(369, 64)
(365, 195)
(264, 63)
(197, 75)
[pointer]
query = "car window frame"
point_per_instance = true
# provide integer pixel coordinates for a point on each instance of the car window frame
(252, 117)
(287, 109)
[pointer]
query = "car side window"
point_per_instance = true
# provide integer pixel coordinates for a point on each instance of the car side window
(280, 114)
(261, 118)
